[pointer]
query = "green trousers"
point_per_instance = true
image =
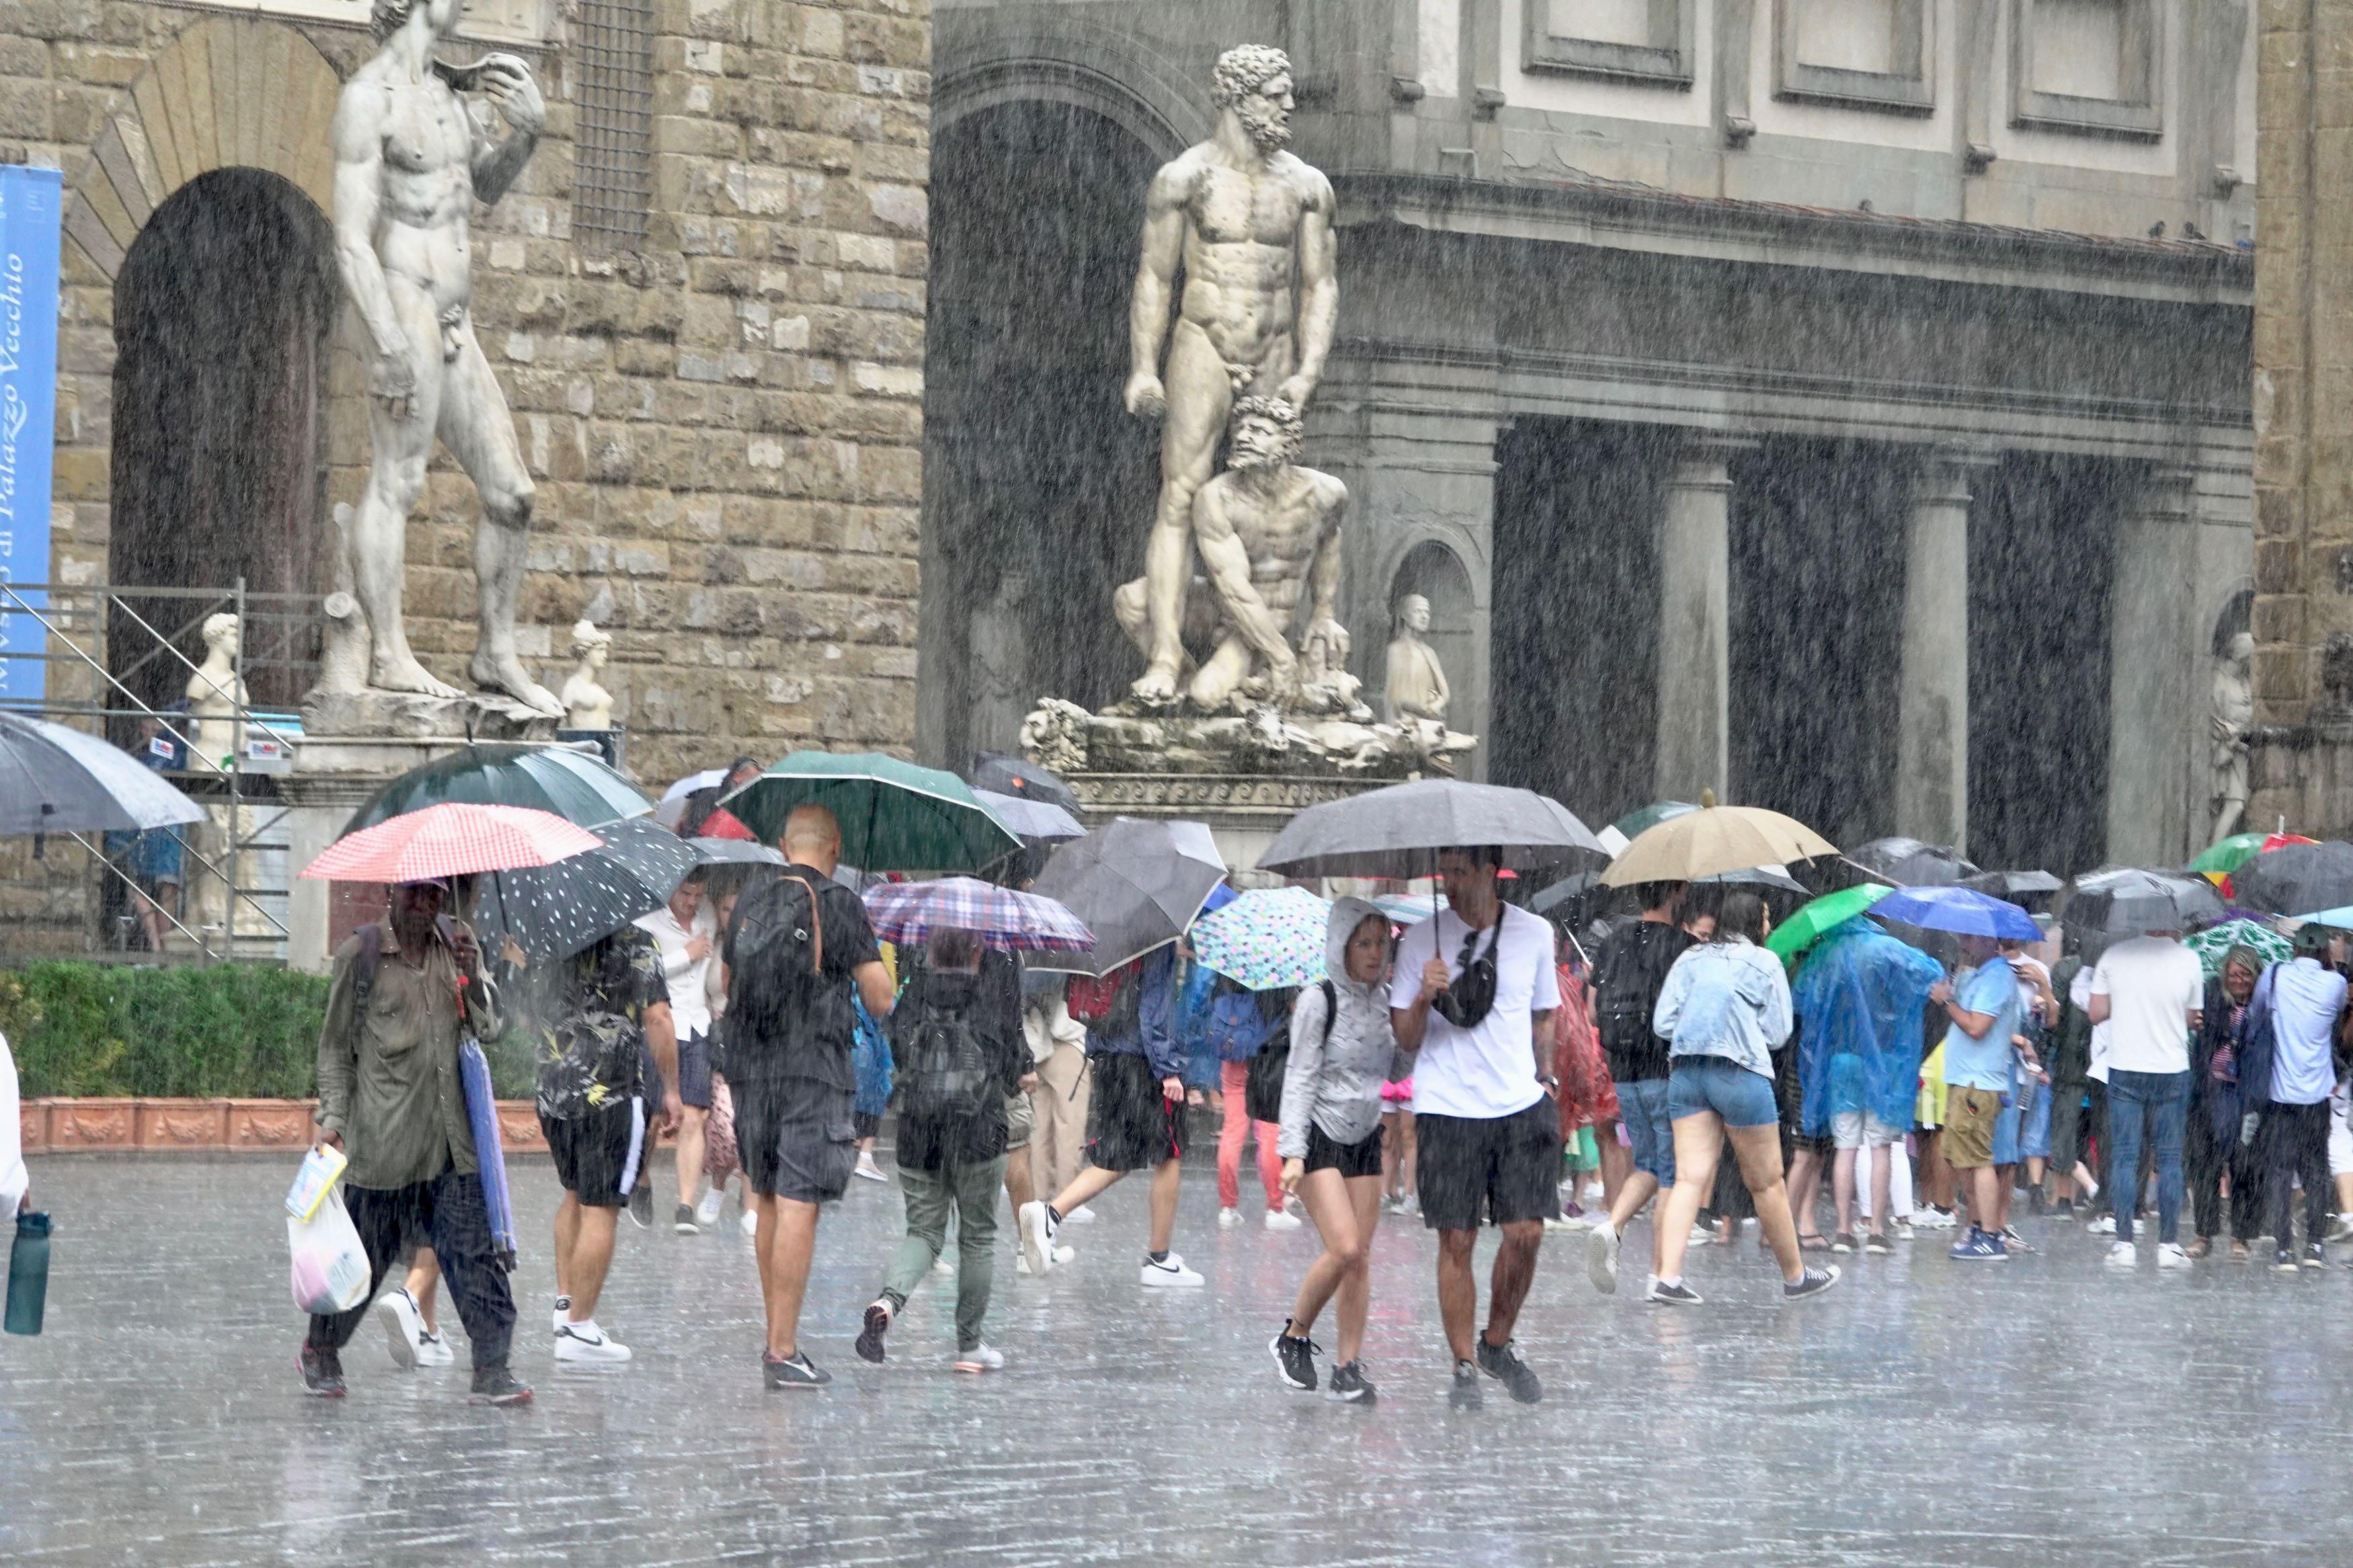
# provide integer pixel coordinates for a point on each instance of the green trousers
(971, 1192)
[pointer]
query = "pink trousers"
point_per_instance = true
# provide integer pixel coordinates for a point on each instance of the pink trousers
(1231, 1078)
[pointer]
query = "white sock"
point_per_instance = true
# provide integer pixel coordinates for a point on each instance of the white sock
(585, 1327)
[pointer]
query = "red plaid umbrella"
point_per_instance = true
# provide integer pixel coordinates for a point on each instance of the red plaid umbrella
(451, 840)
(909, 912)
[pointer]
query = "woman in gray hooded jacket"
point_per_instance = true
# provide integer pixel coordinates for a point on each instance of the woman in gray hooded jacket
(1341, 1047)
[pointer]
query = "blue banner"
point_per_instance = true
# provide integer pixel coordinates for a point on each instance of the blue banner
(31, 207)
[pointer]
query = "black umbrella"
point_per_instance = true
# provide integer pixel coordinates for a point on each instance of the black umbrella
(2129, 902)
(2025, 889)
(1136, 884)
(1576, 886)
(1026, 780)
(729, 852)
(2296, 878)
(552, 911)
(1910, 863)
(1399, 830)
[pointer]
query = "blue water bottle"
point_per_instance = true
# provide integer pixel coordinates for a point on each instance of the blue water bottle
(28, 1274)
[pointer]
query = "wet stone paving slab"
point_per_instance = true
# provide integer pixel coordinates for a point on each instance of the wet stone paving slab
(2046, 1410)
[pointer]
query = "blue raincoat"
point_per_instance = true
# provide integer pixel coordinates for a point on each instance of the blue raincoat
(1860, 992)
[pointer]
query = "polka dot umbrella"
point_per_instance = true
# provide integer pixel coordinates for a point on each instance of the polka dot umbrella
(554, 911)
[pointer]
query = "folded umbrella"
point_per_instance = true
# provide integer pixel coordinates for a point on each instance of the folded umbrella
(1712, 838)
(2129, 902)
(894, 816)
(554, 911)
(1399, 830)
(2297, 877)
(452, 841)
(1910, 863)
(1031, 821)
(1136, 884)
(570, 785)
(1811, 922)
(1005, 921)
(53, 778)
(1963, 912)
(490, 1150)
(1267, 938)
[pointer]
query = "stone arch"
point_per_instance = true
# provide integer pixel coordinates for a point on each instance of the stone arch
(1163, 102)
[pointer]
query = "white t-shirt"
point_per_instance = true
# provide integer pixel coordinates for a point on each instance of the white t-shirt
(690, 994)
(1489, 1071)
(2153, 985)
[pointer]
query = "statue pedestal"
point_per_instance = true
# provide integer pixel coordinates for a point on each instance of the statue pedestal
(411, 715)
(1244, 811)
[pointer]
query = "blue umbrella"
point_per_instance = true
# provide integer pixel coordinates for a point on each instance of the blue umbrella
(1963, 912)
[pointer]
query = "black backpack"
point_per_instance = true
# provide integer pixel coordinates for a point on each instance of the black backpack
(1262, 1089)
(943, 1075)
(780, 1003)
(1633, 969)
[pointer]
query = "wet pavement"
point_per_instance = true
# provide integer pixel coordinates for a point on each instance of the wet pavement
(2041, 1412)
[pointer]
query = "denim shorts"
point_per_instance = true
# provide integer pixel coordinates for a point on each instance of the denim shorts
(1719, 1084)
(1643, 1111)
(2034, 1127)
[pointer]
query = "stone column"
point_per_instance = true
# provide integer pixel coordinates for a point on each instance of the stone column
(1932, 708)
(1693, 748)
(2156, 709)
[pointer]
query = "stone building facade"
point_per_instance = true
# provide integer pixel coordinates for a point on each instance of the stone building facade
(712, 343)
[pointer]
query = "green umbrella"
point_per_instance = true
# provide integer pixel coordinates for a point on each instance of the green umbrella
(1806, 926)
(1634, 822)
(573, 784)
(2228, 855)
(894, 816)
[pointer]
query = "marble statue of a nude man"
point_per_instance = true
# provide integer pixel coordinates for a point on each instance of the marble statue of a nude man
(1252, 226)
(1267, 528)
(409, 164)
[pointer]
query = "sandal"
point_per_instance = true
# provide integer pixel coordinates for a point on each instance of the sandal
(2199, 1248)
(1813, 1244)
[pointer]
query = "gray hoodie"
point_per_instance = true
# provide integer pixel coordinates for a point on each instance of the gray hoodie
(1335, 1079)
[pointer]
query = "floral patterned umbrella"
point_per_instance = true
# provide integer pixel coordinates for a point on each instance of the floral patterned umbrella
(1266, 939)
(2212, 943)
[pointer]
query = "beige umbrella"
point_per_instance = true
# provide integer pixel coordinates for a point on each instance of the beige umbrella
(1712, 840)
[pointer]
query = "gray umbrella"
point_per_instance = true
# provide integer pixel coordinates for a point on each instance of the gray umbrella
(1398, 831)
(2129, 902)
(1136, 884)
(730, 852)
(57, 780)
(1031, 821)
(1909, 863)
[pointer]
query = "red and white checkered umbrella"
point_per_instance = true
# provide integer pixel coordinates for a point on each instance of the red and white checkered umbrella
(451, 840)
(909, 912)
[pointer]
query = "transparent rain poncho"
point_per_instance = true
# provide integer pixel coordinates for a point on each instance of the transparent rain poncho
(1858, 995)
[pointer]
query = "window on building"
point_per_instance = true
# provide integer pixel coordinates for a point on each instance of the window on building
(612, 179)
(1864, 54)
(2092, 67)
(1631, 41)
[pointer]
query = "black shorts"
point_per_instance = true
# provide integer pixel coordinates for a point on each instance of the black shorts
(797, 1137)
(1505, 1169)
(694, 1071)
(599, 1154)
(1131, 1126)
(1362, 1158)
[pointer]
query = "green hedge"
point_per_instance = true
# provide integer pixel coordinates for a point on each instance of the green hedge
(243, 1030)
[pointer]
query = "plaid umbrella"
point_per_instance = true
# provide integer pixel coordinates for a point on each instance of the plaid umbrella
(1008, 921)
(2212, 943)
(451, 840)
(1266, 939)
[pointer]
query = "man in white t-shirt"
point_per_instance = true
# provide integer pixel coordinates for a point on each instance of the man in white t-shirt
(1488, 1133)
(2151, 994)
(687, 931)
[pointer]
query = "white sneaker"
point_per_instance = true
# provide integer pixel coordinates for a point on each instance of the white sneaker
(1228, 1218)
(980, 1358)
(562, 1312)
(1283, 1219)
(1061, 1255)
(1036, 1237)
(587, 1342)
(1170, 1274)
(2122, 1255)
(750, 1223)
(1902, 1230)
(403, 1326)
(434, 1350)
(2173, 1254)
(706, 1213)
(1080, 1215)
(2104, 1226)
(867, 1168)
(941, 1265)
(1933, 1219)
(1064, 1254)
(1602, 1257)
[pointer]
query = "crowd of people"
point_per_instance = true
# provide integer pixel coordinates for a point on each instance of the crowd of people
(1475, 1068)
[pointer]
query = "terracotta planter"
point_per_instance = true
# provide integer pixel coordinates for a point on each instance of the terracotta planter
(267, 1124)
(181, 1123)
(518, 1129)
(53, 1126)
(32, 1124)
(93, 1124)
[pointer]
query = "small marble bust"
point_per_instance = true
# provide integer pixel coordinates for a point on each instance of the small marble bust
(215, 694)
(586, 704)
(1416, 685)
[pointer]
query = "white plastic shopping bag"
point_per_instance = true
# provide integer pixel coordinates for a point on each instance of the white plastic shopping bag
(330, 1267)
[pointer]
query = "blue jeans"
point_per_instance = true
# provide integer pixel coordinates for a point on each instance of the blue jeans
(2156, 1102)
(1719, 1084)
(1642, 1109)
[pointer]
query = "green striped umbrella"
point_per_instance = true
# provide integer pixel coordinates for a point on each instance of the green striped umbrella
(894, 816)
(573, 784)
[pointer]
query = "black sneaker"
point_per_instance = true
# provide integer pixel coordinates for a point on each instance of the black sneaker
(1813, 1282)
(1842, 1242)
(2062, 1208)
(323, 1372)
(1348, 1384)
(799, 1372)
(1504, 1364)
(1295, 1354)
(1465, 1395)
(641, 1205)
(498, 1386)
(684, 1222)
(1676, 1295)
(2283, 1261)
(870, 1337)
(1878, 1244)
(2316, 1256)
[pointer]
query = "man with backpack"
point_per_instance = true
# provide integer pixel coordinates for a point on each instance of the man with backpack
(1627, 980)
(1137, 1119)
(797, 947)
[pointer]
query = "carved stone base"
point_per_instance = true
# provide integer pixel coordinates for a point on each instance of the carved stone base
(409, 715)
(1260, 742)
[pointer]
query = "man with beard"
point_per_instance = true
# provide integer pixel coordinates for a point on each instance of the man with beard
(404, 995)
(1252, 227)
(1265, 528)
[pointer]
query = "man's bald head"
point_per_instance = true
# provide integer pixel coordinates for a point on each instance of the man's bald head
(812, 837)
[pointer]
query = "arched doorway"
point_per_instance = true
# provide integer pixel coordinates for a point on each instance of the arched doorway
(1038, 485)
(223, 310)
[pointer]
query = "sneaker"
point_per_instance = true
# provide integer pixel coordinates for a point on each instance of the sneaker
(403, 1326)
(1904, 1230)
(706, 1213)
(2063, 1208)
(2172, 1254)
(323, 1372)
(799, 1372)
(1465, 1395)
(2341, 1229)
(2122, 1255)
(1348, 1384)
(1601, 1258)
(2283, 1261)
(641, 1204)
(562, 1312)
(1294, 1357)
(2014, 1242)
(685, 1221)
(941, 1267)
(1036, 1231)
(1080, 1215)
(1813, 1282)
(1878, 1244)
(432, 1350)
(867, 1168)
(750, 1223)
(1979, 1247)
(979, 1358)
(1933, 1218)
(1843, 1242)
(1283, 1219)
(2104, 1226)
(1503, 1363)
(2037, 1204)
(1168, 1274)
(587, 1342)
(1063, 1255)
(498, 1386)
(869, 1336)
(1228, 1218)
(1677, 1295)
(2316, 1256)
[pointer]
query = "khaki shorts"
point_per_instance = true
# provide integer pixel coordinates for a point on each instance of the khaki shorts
(1969, 1116)
(1021, 1120)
